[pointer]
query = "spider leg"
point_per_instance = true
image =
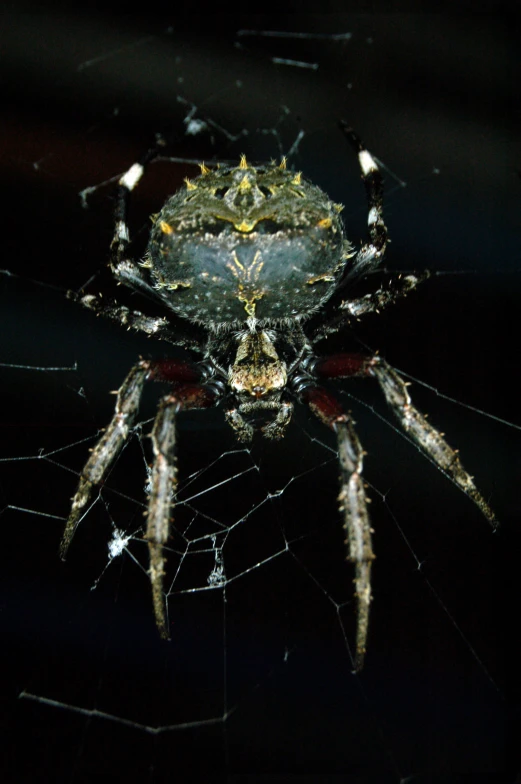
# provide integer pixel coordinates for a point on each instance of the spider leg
(156, 326)
(113, 439)
(164, 484)
(127, 183)
(399, 286)
(372, 252)
(107, 449)
(429, 439)
(130, 273)
(187, 394)
(353, 504)
(415, 424)
(124, 269)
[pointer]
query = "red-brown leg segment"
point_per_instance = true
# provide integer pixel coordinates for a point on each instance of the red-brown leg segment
(176, 371)
(343, 366)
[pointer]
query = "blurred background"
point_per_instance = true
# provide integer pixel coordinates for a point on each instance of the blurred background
(258, 677)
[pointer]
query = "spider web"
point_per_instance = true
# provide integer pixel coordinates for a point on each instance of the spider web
(258, 675)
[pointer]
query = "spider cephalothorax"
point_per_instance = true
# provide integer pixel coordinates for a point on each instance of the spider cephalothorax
(258, 258)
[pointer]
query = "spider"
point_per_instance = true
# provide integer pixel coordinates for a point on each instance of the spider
(252, 264)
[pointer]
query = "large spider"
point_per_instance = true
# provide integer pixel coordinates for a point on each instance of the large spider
(256, 259)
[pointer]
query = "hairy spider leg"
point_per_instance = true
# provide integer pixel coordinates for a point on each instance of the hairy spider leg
(126, 184)
(164, 483)
(352, 503)
(415, 424)
(188, 393)
(153, 326)
(374, 302)
(430, 440)
(126, 271)
(122, 266)
(106, 450)
(372, 252)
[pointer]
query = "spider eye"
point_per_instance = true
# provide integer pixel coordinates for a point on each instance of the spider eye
(220, 193)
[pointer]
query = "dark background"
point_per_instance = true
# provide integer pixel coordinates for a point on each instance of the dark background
(257, 679)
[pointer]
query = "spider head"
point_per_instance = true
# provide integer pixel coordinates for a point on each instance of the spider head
(247, 242)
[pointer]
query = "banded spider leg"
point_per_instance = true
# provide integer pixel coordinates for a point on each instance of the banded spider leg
(189, 391)
(352, 498)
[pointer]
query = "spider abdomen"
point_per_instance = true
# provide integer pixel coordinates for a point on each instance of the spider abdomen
(247, 243)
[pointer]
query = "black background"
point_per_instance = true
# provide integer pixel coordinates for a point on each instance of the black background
(257, 679)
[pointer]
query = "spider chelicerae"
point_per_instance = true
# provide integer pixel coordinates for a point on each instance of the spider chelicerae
(254, 267)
